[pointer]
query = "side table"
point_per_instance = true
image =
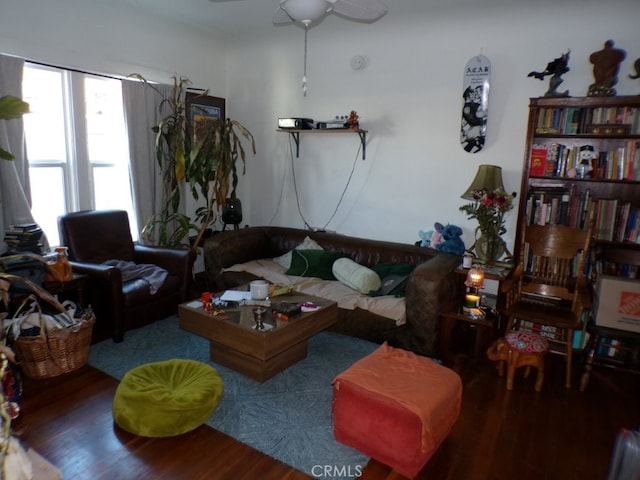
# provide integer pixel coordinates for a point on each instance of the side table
(72, 289)
(485, 331)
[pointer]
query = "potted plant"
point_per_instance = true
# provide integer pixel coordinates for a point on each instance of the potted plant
(203, 156)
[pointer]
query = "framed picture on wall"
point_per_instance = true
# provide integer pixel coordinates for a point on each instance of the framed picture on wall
(201, 107)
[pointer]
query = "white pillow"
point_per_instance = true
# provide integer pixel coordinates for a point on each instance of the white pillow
(356, 276)
(307, 244)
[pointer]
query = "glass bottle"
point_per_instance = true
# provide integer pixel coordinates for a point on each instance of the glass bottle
(61, 269)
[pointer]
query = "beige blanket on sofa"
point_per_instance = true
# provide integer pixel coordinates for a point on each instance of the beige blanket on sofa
(347, 298)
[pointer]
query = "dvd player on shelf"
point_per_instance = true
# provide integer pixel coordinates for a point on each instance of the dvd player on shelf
(295, 123)
(332, 124)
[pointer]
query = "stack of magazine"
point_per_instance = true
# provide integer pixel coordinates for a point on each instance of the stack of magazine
(25, 237)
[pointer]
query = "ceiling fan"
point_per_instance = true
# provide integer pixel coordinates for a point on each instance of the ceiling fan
(308, 12)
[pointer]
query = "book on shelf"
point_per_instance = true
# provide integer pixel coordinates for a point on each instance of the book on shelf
(633, 226)
(622, 216)
(538, 162)
(606, 213)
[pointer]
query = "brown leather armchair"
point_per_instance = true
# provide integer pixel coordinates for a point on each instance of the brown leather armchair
(94, 237)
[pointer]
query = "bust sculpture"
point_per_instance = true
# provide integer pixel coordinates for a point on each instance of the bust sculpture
(606, 64)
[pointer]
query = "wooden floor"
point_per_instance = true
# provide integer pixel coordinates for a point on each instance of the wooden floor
(500, 435)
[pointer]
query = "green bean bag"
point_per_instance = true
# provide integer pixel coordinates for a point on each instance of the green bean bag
(168, 398)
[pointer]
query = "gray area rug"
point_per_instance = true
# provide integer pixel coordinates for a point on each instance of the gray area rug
(287, 417)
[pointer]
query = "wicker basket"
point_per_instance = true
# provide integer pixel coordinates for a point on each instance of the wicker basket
(53, 353)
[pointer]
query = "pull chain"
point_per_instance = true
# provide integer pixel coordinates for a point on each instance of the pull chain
(304, 76)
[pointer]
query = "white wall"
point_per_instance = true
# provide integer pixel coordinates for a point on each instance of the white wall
(98, 36)
(409, 97)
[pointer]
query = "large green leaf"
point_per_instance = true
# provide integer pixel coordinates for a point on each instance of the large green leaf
(12, 107)
(5, 155)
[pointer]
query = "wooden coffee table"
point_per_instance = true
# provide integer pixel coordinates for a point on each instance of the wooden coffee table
(258, 354)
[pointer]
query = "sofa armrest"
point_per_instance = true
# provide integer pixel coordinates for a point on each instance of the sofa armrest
(225, 249)
(104, 294)
(100, 272)
(432, 288)
(176, 261)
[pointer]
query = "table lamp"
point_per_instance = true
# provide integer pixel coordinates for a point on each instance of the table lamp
(488, 178)
(474, 282)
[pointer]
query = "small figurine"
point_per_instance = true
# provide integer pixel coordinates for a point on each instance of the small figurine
(606, 63)
(353, 120)
(586, 156)
(558, 67)
(636, 66)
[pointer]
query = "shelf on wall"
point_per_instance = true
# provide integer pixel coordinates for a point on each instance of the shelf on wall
(295, 134)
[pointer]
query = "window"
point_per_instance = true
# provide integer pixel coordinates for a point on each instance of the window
(76, 145)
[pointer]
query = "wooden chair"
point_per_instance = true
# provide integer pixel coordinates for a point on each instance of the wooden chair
(611, 347)
(550, 289)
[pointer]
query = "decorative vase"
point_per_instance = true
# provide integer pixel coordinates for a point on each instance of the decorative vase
(489, 248)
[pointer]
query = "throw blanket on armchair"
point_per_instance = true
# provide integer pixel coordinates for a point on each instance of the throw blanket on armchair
(153, 274)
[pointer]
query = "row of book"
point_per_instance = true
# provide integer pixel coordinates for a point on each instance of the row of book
(554, 334)
(21, 238)
(616, 221)
(560, 160)
(616, 351)
(558, 205)
(605, 267)
(580, 120)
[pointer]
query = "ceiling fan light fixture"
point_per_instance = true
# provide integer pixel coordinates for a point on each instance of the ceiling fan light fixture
(306, 11)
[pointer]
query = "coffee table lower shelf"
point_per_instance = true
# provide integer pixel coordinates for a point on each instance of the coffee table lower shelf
(259, 355)
(258, 369)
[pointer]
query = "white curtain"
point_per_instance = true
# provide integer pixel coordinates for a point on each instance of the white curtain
(14, 174)
(142, 112)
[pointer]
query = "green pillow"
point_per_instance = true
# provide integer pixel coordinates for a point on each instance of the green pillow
(313, 263)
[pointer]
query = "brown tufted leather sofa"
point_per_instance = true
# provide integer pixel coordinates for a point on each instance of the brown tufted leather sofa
(94, 236)
(431, 288)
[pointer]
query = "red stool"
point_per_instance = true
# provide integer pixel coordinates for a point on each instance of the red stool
(396, 407)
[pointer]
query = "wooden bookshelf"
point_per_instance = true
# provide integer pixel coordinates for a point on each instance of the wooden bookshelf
(581, 153)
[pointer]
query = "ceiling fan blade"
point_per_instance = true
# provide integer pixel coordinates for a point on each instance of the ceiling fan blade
(366, 10)
(280, 16)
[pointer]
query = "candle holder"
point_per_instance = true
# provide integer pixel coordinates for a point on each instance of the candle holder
(474, 282)
(258, 317)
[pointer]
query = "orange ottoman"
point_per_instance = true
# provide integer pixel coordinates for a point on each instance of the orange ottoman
(396, 407)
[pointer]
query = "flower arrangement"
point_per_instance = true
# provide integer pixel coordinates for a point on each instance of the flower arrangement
(489, 208)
